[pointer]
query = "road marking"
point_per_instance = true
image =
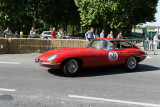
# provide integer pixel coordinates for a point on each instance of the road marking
(114, 101)
(4, 89)
(16, 63)
(148, 57)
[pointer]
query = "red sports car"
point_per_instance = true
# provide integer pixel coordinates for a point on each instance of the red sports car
(99, 53)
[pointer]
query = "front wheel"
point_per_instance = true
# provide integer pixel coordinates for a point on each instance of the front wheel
(71, 67)
(131, 64)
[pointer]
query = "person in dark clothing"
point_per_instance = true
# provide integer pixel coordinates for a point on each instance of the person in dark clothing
(16, 35)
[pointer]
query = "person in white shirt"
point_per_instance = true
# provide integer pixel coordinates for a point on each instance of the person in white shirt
(110, 35)
(96, 35)
(155, 43)
(102, 34)
(32, 33)
(7, 33)
(90, 34)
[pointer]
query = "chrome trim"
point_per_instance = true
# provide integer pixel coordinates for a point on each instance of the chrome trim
(46, 63)
(36, 60)
(142, 55)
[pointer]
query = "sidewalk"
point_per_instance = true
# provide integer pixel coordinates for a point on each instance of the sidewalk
(152, 52)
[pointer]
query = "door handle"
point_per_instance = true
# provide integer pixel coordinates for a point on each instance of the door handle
(120, 52)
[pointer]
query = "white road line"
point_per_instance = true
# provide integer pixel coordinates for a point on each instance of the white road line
(114, 101)
(16, 63)
(148, 57)
(4, 89)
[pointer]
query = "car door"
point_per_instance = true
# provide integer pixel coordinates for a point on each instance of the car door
(109, 56)
(115, 55)
(126, 50)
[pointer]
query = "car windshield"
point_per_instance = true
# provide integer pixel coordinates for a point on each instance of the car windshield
(47, 33)
(98, 44)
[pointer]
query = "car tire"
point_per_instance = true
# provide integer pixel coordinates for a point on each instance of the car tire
(71, 67)
(131, 64)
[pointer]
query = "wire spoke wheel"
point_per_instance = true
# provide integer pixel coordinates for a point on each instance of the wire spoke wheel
(131, 63)
(72, 66)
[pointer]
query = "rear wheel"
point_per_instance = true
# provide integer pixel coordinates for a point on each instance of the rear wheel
(71, 67)
(131, 64)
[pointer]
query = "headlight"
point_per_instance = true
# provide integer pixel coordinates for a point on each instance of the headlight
(51, 58)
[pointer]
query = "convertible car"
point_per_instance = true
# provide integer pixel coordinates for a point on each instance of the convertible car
(99, 53)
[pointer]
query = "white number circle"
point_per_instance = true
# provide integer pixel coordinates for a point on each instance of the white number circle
(113, 56)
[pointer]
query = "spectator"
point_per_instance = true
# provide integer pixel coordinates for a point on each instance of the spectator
(54, 33)
(62, 33)
(90, 34)
(110, 35)
(155, 43)
(67, 37)
(102, 34)
(96, 35)
(21, 34)
(7, 33)
(119, 36)
(16, 35)
(59, 35)
(32, 33)
(147, 43)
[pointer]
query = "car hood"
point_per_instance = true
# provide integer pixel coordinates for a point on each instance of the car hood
(64, 50)
(69, 50)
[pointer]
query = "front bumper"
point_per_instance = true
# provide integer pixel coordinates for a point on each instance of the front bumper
(142, 57)
(48, 64)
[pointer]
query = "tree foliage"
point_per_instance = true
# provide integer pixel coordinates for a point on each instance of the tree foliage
(23, 14)
(118, 14)
(43, 14)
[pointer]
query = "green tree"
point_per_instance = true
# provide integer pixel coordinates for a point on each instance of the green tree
(116, 14)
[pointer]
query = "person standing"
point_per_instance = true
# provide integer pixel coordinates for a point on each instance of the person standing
(16, 35)
(90, 34)
(21, 34)
(102, 34)
(54, 33)
(32, 33)
(96, 35)
(62, 33)
(7, 33)
(119, 36)
(147, 43)
(155, 43)
(110, 35)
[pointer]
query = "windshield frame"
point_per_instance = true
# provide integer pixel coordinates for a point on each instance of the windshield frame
(105, 42)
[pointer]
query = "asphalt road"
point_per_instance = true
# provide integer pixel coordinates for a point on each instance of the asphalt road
(25, 84)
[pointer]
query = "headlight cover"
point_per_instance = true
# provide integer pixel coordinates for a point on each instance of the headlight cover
(51, 58)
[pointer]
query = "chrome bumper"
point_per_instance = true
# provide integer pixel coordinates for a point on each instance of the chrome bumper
(142, 55)
(45, 63)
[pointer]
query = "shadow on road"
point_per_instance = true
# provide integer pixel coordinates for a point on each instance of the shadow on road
(106, 71)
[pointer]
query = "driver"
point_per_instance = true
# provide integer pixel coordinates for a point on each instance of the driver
(115, 44)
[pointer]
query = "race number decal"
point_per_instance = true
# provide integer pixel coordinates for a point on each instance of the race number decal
(113, 56)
